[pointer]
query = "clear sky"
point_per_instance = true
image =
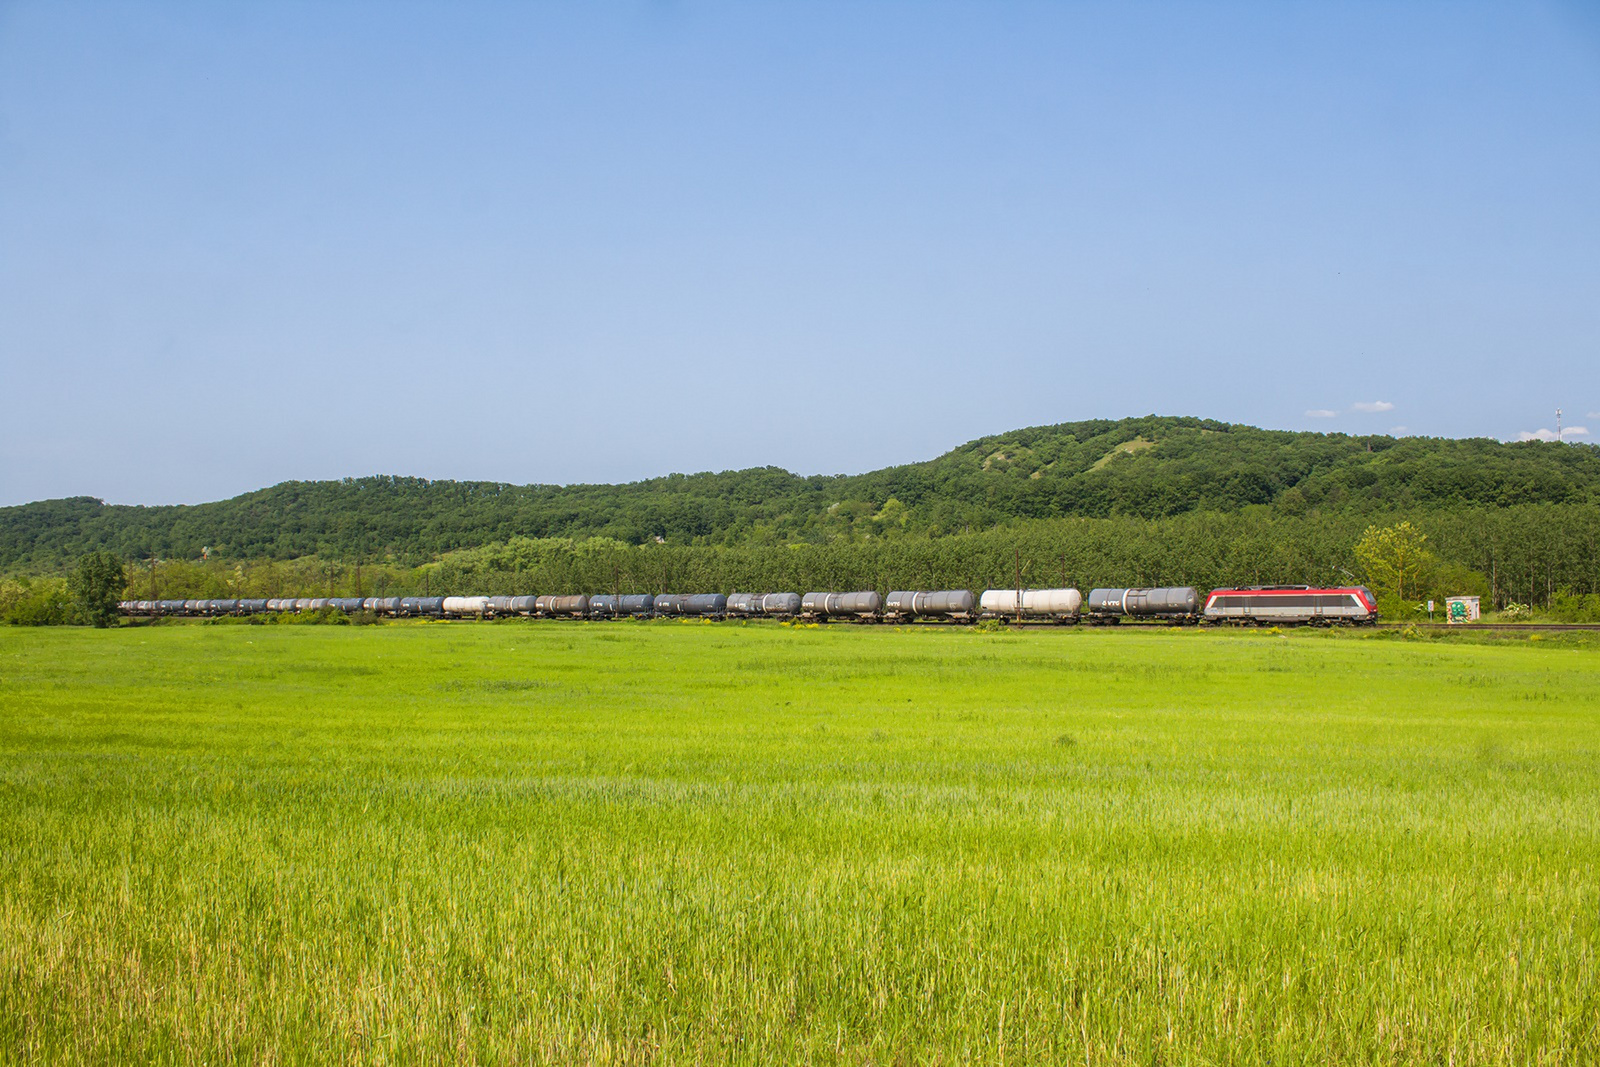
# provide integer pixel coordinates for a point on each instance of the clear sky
(244, 243)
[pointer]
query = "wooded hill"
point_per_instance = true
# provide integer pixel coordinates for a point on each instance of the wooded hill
(1151, 467)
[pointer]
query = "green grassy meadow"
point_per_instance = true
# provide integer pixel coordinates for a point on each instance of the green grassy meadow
(671, 842)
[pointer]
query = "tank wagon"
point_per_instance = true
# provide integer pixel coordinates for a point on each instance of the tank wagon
(460, 607)
(1271, 605)
(497, 606)
(1179, 603)
(1060, 605)
(781, 605)
(572, 607)
(700, 605)
(630, 605)
(866, 606)
(770, 605)
(906, 605)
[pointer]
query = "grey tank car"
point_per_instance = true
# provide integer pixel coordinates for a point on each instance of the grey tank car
(1180, 602)
(573, 607)
(607, 606)
(866, 605)
(744, 605)
(770, 605)
(703, 605)
(934, 604)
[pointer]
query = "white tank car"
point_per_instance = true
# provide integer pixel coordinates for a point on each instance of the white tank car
(466, 605)
(1036, 603)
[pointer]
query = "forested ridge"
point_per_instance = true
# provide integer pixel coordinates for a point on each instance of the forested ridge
(1144, 468)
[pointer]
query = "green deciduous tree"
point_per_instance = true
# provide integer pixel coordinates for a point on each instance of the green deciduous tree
(96, 586)
(1395, 558)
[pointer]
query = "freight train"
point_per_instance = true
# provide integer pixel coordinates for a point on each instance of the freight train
(1294, 605)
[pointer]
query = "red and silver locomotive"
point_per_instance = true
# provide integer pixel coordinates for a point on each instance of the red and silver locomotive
(1292, 605)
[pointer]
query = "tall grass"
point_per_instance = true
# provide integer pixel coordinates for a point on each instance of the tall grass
(635, 843)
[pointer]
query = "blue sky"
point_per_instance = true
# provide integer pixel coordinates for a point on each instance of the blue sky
(558, 242)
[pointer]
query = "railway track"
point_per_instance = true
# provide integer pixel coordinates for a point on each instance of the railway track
(1514, 627)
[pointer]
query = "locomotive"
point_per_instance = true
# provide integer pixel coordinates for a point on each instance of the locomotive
(1292, 605)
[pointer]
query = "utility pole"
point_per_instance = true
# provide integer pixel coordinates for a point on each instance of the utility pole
(1016, 553)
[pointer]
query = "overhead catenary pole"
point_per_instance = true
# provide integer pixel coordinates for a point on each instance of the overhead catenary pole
(1016, 552)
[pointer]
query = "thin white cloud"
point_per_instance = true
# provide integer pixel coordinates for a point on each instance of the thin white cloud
(1399, 431)
(1321, 413)
(1592, 415)
(1372, 407)
(1550, 435)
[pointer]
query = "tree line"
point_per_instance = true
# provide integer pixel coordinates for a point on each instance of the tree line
(1545, 555)
(1138, 469)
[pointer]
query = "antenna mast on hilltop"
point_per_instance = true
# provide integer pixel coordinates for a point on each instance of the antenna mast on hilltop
(1558, 426)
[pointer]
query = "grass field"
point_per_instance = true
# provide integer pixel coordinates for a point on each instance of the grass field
(682, 843)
